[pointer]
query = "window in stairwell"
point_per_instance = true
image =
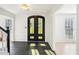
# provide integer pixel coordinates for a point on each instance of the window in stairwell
(8, 23)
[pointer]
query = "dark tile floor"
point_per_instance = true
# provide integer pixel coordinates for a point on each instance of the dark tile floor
(23, 48)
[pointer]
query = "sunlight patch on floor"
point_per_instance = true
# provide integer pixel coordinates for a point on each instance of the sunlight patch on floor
(47, 52)
(32, 44)
(51, 52)
(42, 44)
(34, 52)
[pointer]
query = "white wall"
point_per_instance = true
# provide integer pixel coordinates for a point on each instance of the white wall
(78, 29)
(20, 28)
(49, 29)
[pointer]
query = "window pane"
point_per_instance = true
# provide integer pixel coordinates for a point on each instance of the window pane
(69, 28)
(40, 37)
(40, 24)
(32, 26)
(31, 37)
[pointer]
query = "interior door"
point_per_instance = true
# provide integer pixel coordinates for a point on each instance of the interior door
(36, 28)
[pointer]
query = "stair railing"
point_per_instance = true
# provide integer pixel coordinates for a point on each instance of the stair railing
(7, 31)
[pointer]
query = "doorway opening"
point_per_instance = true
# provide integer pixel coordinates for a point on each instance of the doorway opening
(36, 28)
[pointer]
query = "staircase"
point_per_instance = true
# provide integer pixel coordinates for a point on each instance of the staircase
(4, 41)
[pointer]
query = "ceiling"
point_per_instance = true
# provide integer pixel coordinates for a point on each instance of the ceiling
(36, 8)
(67, 8)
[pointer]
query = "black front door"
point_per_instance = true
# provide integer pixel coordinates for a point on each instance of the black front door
(36, 28)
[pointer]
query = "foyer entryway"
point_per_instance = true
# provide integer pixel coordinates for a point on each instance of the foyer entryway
(36, 44)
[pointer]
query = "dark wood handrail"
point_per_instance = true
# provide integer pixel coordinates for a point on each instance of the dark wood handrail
(3, 29)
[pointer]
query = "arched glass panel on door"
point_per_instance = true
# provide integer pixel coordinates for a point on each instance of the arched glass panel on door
(32, 26)
(40, 25)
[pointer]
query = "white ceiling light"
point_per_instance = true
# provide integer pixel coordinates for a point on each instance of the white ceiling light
(24, 6)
